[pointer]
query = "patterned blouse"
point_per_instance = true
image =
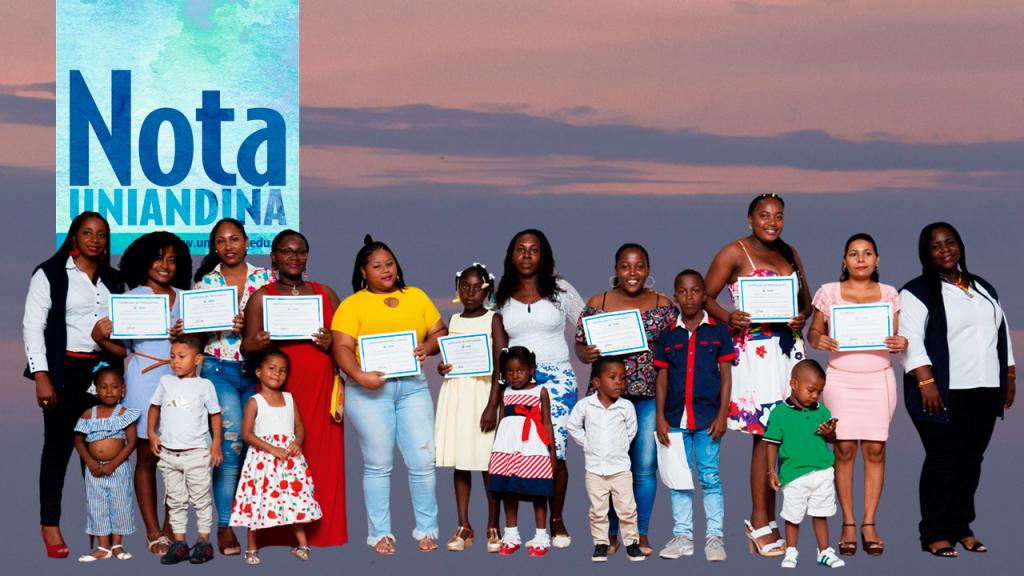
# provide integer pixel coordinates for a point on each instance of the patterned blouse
(226, 345)
(640, 370)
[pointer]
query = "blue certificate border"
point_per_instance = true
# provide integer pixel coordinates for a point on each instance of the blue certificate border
(640, 324)
(832, 324)
(167, 316)
(280, 336)
(412, 336)
(444, 353)
(795, 289)
(234, 306)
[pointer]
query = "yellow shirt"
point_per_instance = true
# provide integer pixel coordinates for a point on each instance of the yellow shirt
(365, 313)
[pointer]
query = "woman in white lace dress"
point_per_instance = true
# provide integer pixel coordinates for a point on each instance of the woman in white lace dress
(535, 304)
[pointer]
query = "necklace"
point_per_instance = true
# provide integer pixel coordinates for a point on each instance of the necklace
(959, 283)
(294, 287)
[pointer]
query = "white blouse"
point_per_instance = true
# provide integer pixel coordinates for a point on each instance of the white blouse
(973, 333)
(86, 304)
(540, 326)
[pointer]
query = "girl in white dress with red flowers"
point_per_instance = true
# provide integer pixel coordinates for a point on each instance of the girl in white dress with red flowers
(275, 488)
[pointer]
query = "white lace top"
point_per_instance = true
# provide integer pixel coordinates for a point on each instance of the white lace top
(540, 326)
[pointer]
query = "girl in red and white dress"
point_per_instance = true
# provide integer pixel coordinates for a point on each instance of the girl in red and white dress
(523, 454)
(275, 488)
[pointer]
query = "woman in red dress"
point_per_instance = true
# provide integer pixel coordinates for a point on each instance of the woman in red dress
(310, 381)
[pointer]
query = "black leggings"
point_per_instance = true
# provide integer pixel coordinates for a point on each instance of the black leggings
(952, 463)
(59, 434)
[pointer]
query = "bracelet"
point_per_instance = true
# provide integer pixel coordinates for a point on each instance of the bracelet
(924, 383)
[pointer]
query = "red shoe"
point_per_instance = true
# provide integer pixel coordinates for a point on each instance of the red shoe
(508, 549)
(58, 550)
(537, 551)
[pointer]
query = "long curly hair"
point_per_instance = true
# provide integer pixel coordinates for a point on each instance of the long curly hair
(148, 248)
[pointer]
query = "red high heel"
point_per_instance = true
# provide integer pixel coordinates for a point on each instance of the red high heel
(59, 550)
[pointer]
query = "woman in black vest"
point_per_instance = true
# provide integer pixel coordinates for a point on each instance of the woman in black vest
(68, 293)
(960, 376)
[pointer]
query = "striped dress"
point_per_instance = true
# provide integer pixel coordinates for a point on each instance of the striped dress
(110, 499)
(520, 457)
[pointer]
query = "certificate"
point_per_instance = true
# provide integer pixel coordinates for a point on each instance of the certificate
(138, 316)
(672, 465)
(771, 299)
(292, 317)
(469, 354)
(391, 354)
(861, 326)
(616, 332)
(209, 310)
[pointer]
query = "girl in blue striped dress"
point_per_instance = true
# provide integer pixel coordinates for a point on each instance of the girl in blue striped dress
(105, 438)
(523, 454)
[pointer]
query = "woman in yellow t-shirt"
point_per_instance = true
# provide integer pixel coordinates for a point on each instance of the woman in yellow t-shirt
(386, 411)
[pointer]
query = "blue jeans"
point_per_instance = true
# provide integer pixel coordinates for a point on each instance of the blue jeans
(399, 412)
(704, 452)
(643, 457)
(234, 388)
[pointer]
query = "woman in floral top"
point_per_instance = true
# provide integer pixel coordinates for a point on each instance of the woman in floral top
(225, 265)
(629, 291)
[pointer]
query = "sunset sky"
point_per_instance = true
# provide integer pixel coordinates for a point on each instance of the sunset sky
(444, 127)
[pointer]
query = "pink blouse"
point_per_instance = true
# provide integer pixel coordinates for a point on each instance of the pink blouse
(860, 361)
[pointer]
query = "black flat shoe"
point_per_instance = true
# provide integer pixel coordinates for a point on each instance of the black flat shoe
(944, 552)
(977, 547)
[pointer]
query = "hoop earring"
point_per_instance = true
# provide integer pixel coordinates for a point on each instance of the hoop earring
(362, 283)
(650, 285)
(613, 282)
(75, 252)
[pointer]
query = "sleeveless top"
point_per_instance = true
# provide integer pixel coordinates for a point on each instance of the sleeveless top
(540, 326)
(110, 427)
(273, 420)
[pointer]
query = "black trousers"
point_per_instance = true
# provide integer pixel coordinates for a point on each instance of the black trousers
(59, 434)
(952, 463)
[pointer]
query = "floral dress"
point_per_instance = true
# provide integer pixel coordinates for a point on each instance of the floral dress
(272, 492)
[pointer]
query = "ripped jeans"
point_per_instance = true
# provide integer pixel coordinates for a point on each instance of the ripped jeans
(234, 388)
(400, 412)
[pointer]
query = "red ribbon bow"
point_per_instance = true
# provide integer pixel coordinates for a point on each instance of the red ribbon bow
(532, 415)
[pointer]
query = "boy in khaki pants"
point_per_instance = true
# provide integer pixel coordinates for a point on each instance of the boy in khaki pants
(605, 425)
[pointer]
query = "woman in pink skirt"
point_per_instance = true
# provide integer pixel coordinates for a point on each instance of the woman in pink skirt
(860, 389)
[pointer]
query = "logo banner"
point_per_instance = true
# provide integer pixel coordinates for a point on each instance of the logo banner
(172, 114)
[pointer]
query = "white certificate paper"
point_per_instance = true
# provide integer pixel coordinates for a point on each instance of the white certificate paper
(771, 299)
(469, 354)
(616, 332)
(390, 353)
(209, 309)
(137, 316)
(292, 317)
(672, 465)
(861, 326)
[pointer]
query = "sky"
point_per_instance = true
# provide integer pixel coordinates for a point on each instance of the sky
(444, 127)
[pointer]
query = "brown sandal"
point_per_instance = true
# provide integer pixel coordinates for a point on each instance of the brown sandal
(871, 547)
(428, 544)
(385, 546)
(848, 548)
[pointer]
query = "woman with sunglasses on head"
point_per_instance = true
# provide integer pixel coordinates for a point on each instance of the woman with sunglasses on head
(226, 265)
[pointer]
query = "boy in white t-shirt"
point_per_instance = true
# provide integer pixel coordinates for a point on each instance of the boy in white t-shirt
(185, 410)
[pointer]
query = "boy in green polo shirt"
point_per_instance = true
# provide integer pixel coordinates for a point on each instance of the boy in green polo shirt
(797, 434)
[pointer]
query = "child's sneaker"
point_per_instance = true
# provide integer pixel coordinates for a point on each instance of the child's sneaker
(714, 549)
(789, 561)
(827, 557)
(202, 552)
(634, 552)
(178, 552)
(676, 547)
(600, 553)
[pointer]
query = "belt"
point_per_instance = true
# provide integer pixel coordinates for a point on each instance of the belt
(157, 362)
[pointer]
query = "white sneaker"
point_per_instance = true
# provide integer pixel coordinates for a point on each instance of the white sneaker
(676, 547)
(791, 558)
(827, 557)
